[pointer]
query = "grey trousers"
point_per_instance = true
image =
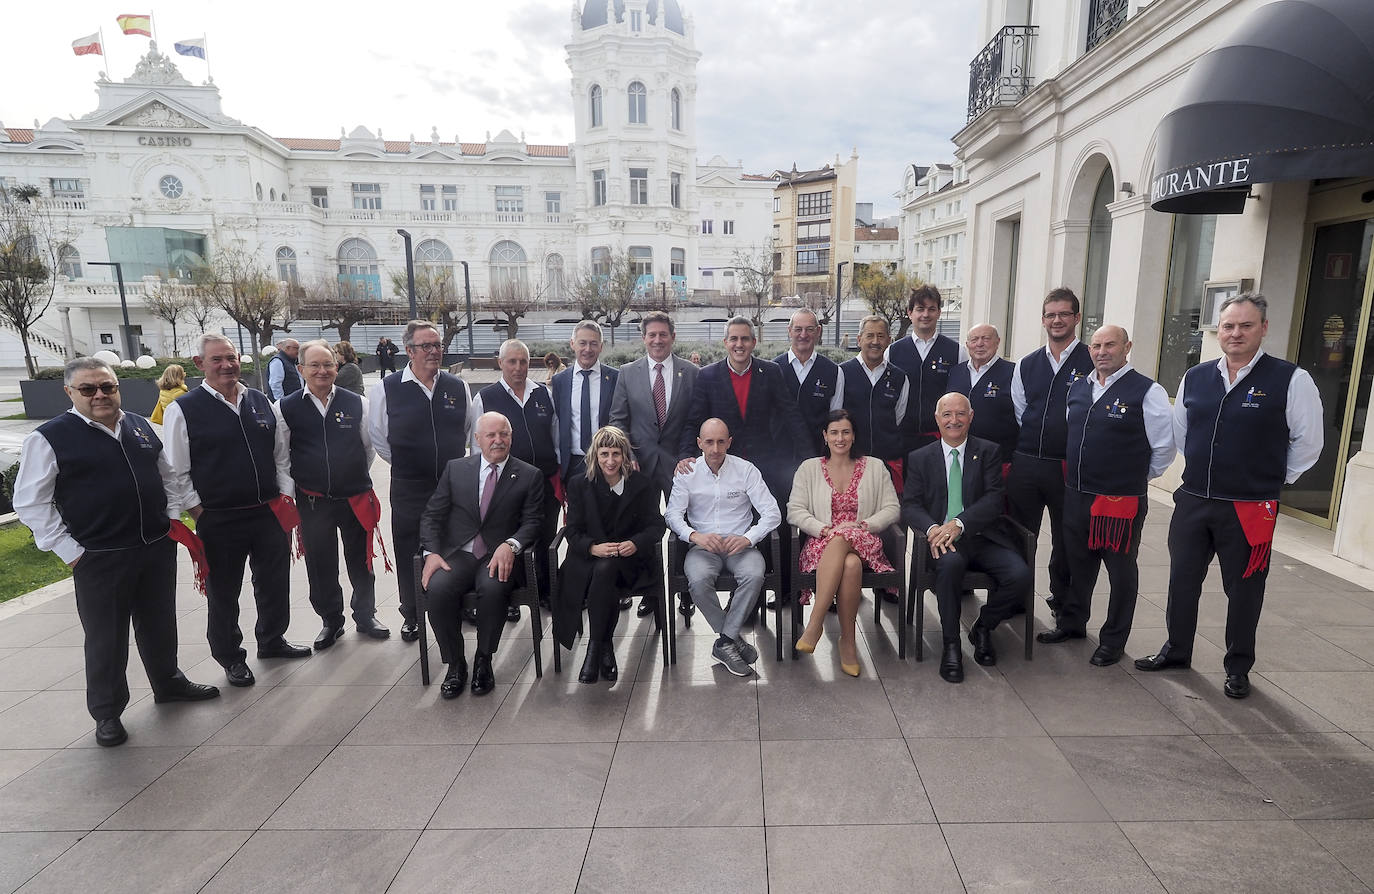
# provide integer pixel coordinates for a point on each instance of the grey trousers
(702, 567)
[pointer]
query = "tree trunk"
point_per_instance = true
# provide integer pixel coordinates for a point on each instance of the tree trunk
(174, 338)
(345, 329)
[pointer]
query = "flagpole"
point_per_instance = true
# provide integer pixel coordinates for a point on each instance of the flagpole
(105, 51)
(152, 25)
(208, 76)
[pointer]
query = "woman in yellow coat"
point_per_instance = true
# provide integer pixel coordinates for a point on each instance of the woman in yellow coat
(171, 386)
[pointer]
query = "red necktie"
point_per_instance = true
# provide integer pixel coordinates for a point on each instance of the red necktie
(660, 395)
(479, 546)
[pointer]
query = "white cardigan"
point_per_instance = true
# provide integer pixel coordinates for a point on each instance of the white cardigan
(808, 507)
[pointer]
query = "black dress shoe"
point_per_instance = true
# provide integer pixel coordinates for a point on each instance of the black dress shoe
(512, 614)
(686, 608)
(326, 637)
(626, 602)
(280, 648)
(952, 664)
(239, 674)
(983, 652)
(410, 631)
(483, 681)
(376, 629)
(110, 732)
(183, 690)
(591, 665)
(646, 608)
(610, 671)
(1164, 658)
(470, 615)
(455, 679)
(1237, 685)
(1058, 635)
(1105, 656)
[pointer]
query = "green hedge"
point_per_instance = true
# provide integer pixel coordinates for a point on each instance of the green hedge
(153, 372)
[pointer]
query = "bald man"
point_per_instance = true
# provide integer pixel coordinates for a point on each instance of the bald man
(986, 381)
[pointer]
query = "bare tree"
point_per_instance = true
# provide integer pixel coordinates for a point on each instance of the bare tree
(204, 303)
(436, 299)
(170, 303)
(608, 293)
(330, 300)
(247, 291)
(31, 242)
(587, 291)
(512, 298)
(885, 292)
(755, 276)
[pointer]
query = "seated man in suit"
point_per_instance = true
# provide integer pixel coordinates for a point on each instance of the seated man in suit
(953, 492)
(486, 510)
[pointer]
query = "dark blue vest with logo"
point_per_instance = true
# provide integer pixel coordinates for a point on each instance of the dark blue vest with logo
(994, 412)
(290, 375)
(327, 454)
(531, 426)
(425, 434)
(1237, 443)
(232, 465)
(1108, 446)
(108, 491)
(929, 381)
(874, 408)
(1043, 426)
(813, 396)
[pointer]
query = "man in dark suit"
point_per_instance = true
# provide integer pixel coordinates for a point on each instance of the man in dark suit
(953, 493)
(652, 396)
(485, 512)
(582, 395)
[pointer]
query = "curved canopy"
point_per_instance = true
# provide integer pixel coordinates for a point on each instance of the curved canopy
(1288, 96)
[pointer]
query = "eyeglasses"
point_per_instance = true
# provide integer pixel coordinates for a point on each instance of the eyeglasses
(429, 346)
(1060, 315)
(89, 390)
(316, 367)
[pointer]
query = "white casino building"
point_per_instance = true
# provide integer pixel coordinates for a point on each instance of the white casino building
(158, 174)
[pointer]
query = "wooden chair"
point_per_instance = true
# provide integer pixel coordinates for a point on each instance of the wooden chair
(772, 580)
(923, 578)
(649, 586)
(894, 547)
(526, 594)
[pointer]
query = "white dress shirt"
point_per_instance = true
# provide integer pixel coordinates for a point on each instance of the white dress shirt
(579, 382)
(923, 346)
(949, 463)
(802, 370)
(284, 481)
(976, 372)
(178, 446)
(875, 374)
(722, 502)
(1303, 415)
(475, 410)
(37, 481)
(1158, 415)
(1018, 388)
(667, 378)
(378, 426)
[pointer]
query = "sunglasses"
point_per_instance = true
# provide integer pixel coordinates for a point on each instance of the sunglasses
(89, 390)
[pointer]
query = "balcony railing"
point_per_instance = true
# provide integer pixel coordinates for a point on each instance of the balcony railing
(1000, 74)
(1105, 18)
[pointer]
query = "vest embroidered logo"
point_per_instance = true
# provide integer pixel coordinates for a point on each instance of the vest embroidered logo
(992, 390)
(1252, 398)
(343, 419)
(1075, 375)
(450, 402)
(1117, 410)
(142, 436)
(940, 364)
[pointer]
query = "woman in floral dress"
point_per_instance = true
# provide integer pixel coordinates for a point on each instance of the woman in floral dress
(842, 510)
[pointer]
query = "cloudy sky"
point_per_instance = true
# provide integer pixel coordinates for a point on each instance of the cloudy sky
(779, 82)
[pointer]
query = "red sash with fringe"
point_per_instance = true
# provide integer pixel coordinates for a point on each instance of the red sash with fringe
(1257, 520)
(1109, 523)
(367, 509)
(284, 508)
(188, 538)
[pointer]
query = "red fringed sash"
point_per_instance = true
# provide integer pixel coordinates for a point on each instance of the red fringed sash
(895, 467)
(367, 509)
(1109, 524)
(284, 508)
(187, 538)
(1257, 520)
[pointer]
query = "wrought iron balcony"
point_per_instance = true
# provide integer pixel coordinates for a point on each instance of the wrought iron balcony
(1000, 74)
(1105, 18)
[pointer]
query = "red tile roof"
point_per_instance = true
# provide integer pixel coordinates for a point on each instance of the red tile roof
(403, 147)
(757, 177)
(875, 234)
(19, 134)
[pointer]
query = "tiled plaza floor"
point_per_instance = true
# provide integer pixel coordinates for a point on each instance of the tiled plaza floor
(341, 773)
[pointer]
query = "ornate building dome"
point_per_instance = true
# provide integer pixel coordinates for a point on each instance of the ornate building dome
(594, 14)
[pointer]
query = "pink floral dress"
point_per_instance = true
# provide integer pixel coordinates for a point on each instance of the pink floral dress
(845, 508)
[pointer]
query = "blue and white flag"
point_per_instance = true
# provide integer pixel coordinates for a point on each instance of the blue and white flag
(195, 47)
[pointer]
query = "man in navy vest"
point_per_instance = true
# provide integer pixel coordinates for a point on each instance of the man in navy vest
(330, 454)
(1247, 425)
(1121, 436)
(418, 421)
(1039, 390)
(529, 408)
(582, 396)
(283, 371)
(986, 381)
(222, 443)
(927, 358)
(816, 382)
(93, 487)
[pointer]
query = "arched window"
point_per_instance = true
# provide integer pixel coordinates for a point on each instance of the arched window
(553, 277)
(26, 247)
(69, 262)
(286, 265)
(601, 261)
(507, 261)
(272, 194)
(596, 105)
(677, 109)
(1099, 254)
(642, 263)
(358, 273)
(259, 192)
(432, 251)
(639, 103)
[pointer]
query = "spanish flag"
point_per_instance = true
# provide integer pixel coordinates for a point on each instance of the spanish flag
(89, 44)
(131, 23)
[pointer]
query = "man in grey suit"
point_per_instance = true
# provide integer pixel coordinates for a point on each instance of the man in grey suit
(485, 511)
(652, 395)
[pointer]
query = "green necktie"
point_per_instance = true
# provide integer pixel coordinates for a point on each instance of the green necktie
(956, 485)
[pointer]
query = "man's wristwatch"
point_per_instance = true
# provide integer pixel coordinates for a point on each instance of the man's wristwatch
(513, 544)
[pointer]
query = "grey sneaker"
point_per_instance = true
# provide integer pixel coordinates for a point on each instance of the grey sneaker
(728, 655)
(746, 651)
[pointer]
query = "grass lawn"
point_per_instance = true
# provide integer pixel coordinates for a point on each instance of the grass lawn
(25, 567)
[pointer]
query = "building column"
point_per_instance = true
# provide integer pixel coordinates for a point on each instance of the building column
(67, 339)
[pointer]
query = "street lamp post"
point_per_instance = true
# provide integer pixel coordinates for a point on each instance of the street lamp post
(839, 275)
(467, 290)
(410, 272)
(129, 346)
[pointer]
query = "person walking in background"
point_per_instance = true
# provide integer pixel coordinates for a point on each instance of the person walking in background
(350, 376)
(386, 356)
(170, 385)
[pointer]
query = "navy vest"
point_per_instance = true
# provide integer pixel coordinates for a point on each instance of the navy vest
(813, 398)
(874, 409)
(1108, 446)
(290, 375)
(109, 492)
(327, 454)
(1237, 443)
(531, 426)
(232, 466)
(1044, 429)
(929, 381)
(994, 412)
(425, 434)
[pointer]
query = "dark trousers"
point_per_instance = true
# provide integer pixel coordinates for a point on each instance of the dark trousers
(1013, 578)
(231, 537)
(113, 588)
(548, 529)
(1123, 573)
(577, 467)
(610, 580)
(445, 598)
(408, 501)
(1033, 486)
(1200, 529)
(324, 521)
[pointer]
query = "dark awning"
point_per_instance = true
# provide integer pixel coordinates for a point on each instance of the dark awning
(1288, 96)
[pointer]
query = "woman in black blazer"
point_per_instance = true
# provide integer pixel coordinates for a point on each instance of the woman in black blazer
(613, 524)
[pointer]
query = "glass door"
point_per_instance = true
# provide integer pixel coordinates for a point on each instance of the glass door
(1335, 347)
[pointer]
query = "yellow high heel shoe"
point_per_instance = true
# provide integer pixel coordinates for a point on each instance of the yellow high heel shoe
(851, 669)
(804, 646)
